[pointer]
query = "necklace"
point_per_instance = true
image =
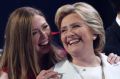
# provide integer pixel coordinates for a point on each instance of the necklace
(81, 76)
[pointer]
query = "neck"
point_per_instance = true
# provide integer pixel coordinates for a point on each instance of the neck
(86, 58)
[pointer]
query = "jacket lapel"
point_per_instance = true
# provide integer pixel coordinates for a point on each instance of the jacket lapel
(67, 69)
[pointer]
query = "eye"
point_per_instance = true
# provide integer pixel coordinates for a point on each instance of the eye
(45, 26)
(62, 30)
(75, 26)
(35, 32)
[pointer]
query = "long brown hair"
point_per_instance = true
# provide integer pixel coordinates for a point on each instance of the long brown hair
(19, 56)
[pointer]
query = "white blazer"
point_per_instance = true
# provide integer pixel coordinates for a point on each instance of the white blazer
(110, 71)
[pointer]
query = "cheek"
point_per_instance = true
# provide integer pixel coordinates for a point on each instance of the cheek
(87, 36)
(48, 32)
(63, 41)
(62, 38)
(35, 39)
(48, 29)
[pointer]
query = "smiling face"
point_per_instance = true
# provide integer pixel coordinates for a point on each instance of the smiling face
(41, 34)
(76, 36)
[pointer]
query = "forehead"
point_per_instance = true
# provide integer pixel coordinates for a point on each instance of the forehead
(38, 20)
(70, 19)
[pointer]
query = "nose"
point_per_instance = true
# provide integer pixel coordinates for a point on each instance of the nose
(43, 35)
(70, 33)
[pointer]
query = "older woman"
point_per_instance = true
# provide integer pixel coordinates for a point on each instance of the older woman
(82, 35)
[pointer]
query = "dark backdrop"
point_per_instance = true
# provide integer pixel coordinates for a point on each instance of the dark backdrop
(49, 8)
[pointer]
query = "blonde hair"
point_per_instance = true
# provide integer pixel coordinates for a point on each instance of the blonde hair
(89, 15)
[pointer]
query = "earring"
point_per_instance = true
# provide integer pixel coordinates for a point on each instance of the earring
(94, 37)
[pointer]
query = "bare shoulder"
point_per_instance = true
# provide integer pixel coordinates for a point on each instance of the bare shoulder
(3, 75)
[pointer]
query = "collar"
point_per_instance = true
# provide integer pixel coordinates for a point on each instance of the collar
(118, 20)
(70, 73)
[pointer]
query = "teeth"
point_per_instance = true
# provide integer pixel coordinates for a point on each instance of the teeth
(73, 41)
(44, 43)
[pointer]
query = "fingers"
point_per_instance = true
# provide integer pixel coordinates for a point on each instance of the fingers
(117, 59)
(43, 72)
(41, 75)
(51, 74)
(113, 58)
(48, 74)
(110, 57)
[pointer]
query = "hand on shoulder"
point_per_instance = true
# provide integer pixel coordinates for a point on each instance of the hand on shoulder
(113, 58)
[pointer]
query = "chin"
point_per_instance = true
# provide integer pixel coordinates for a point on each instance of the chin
(46, 51)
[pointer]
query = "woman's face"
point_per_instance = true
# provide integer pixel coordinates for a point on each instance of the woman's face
(41, 34)
(75, 34)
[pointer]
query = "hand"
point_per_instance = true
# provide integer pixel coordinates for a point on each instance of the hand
(3, 75)
(48, 74)
(113, 58)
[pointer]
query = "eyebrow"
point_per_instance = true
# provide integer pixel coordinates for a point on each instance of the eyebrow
(72, 24)
(44, 24)
(41, 26)
(75, 23)
(35, 29)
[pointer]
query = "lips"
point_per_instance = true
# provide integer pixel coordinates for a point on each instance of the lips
(44, 43)
(73, 41)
